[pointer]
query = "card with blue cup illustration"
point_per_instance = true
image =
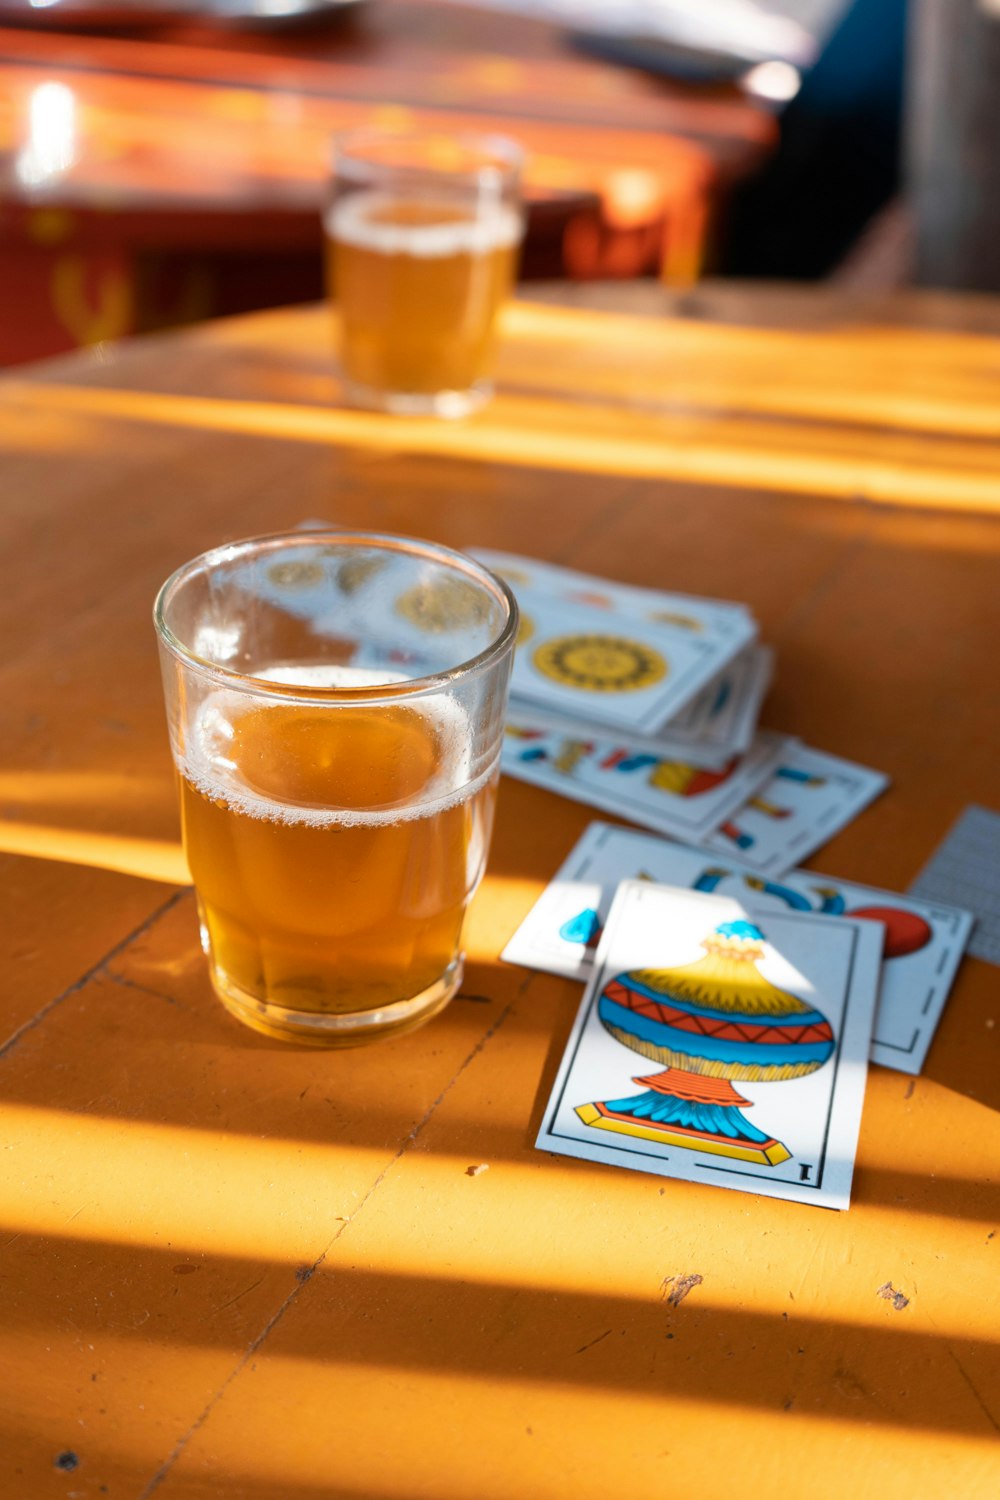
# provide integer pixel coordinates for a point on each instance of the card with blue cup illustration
(721, 1046)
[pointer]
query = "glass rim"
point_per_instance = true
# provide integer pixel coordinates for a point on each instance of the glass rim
(502, 156)
(411, 687)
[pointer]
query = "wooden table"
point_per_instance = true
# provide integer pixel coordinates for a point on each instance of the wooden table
(158, 177)
(235, 1269)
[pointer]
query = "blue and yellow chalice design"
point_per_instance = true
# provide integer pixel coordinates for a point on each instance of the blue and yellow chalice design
(708, 1023)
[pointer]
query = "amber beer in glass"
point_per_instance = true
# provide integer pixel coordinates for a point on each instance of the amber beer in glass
(336, 705)
(422, 237)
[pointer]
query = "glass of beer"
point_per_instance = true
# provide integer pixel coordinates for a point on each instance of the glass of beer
(336, 705)
(422, 234)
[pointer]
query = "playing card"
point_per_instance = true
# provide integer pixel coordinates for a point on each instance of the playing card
(721, 1045)
(606, 667)
(809, 798)
(722, 719)
(966, 867)
(718, 724)
(686, 612)
(672, 797)
(924, 940)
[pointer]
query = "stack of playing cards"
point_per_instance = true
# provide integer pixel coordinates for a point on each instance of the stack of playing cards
(645, 704)
(753, 992)
(754, 1006)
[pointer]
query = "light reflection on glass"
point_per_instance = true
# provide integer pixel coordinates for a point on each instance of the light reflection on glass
(218, 643)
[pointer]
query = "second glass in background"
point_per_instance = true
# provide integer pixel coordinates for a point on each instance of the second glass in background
(422, 236)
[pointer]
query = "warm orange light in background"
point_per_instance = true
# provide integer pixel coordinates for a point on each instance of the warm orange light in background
(151, 859)
(734, 343)
(25, 428)
(632, 196)
(106, 789)
(157, 859)
(868, 376)
(546, 434)
(503, 901)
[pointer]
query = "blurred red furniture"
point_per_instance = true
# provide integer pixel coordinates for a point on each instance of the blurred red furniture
(156, 177)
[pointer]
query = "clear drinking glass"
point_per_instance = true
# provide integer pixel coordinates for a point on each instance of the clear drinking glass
(422, 234)
(336, 705)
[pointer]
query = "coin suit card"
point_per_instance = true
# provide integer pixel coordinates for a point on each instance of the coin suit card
(672, 797)
(719, 722)
(728, 621)
(719, 1045)
(605, 667)
(810, 797)
(924, 940)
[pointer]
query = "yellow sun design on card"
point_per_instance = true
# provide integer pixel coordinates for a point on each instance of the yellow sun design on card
(600, 663)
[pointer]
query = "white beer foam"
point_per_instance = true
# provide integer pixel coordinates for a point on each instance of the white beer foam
(350, 221)
(206, 766)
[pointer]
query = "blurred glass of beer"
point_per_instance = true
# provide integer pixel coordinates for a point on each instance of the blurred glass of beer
(336, 706)
(422, 238)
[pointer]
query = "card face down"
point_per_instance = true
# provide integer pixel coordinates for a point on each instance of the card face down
(965, 869)
(717, 1045)
(924, 940)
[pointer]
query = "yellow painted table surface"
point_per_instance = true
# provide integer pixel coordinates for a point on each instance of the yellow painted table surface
(237, 1269)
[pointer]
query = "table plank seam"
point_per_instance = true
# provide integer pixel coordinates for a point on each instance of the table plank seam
(305, 1274)
(968, 1380)
(568, 556)
(846, 556)
(91, 973)
(143, 989)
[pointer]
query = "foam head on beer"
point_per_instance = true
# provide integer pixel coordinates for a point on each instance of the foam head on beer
(422, 236)
(336, 707)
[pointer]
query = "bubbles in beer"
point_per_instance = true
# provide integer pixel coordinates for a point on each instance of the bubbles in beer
(425, 744)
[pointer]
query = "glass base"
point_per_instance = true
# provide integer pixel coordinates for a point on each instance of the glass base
(344, 1028)
(449, 404)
